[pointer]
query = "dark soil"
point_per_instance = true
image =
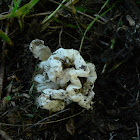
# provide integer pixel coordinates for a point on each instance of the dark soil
(116, 109)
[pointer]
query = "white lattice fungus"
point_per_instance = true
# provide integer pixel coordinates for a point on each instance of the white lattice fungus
(51, 100)
(39, 50)
(64, 78)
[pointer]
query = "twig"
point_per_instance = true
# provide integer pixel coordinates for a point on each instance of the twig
(138, 133)
(39, 14)
(2, 67)
(49, 122)
(4, 135)
(38, 123)
(138, 93)
(60, 34)
(41, 121)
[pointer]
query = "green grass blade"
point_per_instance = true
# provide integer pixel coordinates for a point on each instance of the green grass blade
(84, 10)
(103, 6)
(90, 25)
(16, 5)
(48, 17)
(24, 9)
(21, 11)
(64, 23)
(5, 38)
(117, 65)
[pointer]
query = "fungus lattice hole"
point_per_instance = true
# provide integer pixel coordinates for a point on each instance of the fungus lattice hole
(82, 79)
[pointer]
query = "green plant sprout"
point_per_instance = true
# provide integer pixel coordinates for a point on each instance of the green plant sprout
(8, 98)
(112, 43)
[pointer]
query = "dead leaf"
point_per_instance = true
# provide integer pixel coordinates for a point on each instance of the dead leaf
(70, 126)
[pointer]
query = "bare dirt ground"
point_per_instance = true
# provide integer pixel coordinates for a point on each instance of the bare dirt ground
(112, 44)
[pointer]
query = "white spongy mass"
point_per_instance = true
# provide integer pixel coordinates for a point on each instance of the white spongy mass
(65, 78)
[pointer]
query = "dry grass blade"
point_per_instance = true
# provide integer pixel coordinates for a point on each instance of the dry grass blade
(4, 135)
